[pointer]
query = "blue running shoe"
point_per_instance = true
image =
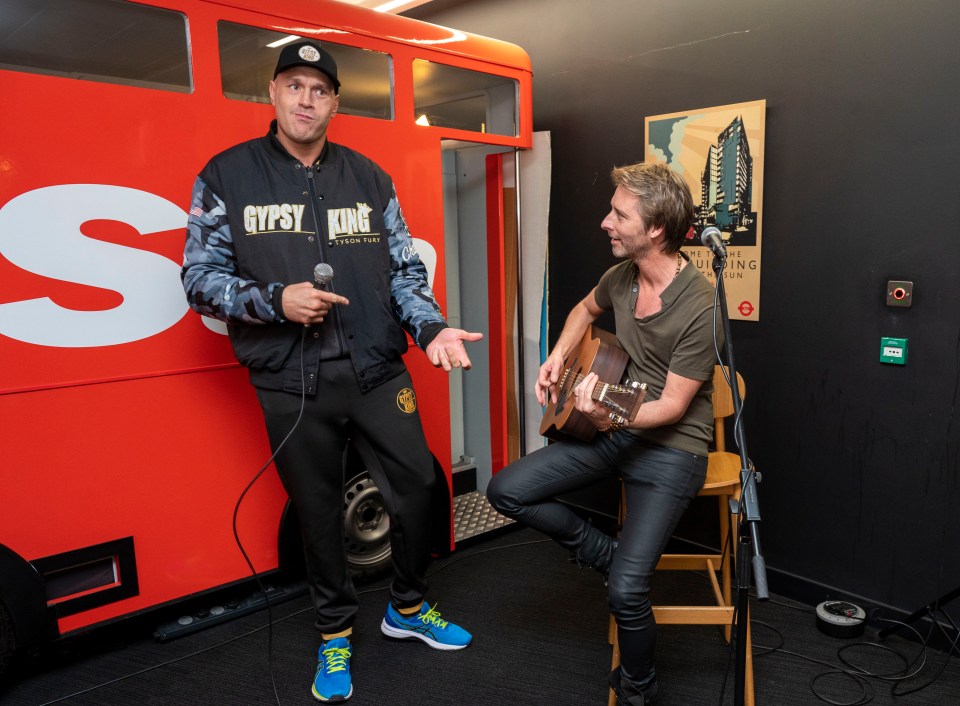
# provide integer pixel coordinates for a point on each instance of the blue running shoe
(332, 683)
(427, 626)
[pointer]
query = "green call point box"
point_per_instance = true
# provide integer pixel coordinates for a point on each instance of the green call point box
(893, 350)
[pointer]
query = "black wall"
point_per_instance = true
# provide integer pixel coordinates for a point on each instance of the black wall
(860, 489)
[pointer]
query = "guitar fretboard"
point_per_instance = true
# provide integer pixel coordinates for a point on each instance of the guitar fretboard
(597, 389)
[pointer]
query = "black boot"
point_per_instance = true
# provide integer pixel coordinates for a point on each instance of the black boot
(630, 695)
(598, 556)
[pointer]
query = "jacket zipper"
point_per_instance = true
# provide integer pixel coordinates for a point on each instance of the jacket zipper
(314, 198)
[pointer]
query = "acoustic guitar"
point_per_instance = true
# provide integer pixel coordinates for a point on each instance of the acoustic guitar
(598, 352)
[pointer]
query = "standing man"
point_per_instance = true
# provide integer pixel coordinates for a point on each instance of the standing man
(326, 361)
(662, 308)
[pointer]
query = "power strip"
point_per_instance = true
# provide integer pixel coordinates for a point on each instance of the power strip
(228, 610)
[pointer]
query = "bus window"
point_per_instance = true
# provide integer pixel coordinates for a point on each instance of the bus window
(248, 56)
(448, 96)
(96, 40)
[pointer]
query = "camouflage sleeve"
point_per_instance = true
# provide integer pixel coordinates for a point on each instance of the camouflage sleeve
(210, 273)
(412, 300)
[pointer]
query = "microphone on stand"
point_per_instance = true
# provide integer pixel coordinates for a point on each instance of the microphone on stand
(710, 237)
(322, 275)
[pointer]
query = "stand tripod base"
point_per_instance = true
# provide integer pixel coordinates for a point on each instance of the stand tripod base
(929, 610)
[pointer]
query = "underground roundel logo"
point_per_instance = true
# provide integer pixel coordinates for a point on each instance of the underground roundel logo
(407, 401)
(309, 54)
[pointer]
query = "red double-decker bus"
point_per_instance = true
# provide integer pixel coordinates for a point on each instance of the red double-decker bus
(117, 480)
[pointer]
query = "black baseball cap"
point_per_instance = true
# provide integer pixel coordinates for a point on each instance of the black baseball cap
(307, 54)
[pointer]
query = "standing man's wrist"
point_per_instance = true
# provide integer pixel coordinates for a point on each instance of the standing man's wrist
(276, 299)
(430, 332)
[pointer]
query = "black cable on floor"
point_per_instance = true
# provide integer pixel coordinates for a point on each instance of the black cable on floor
(859, 674)
(254, 631)
(953, 648)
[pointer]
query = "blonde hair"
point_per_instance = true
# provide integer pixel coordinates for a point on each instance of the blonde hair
(665, 199)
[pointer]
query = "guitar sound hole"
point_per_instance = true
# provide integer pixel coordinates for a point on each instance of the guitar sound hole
(564, 392)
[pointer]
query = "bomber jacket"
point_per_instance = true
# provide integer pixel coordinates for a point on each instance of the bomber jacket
(259, 219)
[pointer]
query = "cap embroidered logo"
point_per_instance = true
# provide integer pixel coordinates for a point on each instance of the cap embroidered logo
(308, 53)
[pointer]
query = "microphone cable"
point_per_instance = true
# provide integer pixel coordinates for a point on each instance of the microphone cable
(719, 356)
(322, 274)
(236, 511)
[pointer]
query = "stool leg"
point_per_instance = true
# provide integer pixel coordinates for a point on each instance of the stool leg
(748, 686)
(615, 661)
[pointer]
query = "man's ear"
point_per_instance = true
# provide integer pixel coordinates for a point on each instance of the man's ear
(656, 234)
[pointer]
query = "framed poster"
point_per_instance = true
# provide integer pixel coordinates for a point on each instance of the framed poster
(719, 152)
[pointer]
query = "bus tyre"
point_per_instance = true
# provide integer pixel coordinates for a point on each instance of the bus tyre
(366, 527)
(8, 640)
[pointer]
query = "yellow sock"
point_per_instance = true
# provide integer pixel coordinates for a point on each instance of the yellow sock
(410, 611)
(334, 635)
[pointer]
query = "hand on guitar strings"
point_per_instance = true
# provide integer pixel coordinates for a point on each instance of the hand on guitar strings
(548, 377)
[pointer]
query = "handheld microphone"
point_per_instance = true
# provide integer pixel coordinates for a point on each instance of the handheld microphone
(712, 239)
(322, 275)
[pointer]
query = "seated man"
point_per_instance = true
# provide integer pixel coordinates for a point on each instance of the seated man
(662, 308)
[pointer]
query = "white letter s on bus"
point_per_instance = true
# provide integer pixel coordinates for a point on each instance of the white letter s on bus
(40, 232)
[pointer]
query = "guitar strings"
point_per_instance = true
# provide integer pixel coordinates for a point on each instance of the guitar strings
(600, 384)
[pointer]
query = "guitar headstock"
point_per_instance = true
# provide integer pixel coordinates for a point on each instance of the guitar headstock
(624, 399)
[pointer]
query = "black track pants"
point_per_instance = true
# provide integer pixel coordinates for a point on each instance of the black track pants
(310, 465)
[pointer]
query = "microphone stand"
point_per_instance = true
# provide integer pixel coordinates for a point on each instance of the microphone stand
(748, 509)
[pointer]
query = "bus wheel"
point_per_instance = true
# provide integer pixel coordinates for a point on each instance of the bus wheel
(366, 526)
(8, 640)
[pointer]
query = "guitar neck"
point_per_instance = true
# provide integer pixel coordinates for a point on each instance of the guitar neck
(597, 392)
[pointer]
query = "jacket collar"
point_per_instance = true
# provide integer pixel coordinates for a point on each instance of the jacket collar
(281, 152)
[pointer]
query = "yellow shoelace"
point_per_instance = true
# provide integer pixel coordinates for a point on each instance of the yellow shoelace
(335, 658)
(433, 616)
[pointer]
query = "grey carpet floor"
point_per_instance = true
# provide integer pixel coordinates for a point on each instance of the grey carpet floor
(540, 628)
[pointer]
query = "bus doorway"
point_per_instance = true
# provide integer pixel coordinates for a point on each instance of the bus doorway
(495, 215)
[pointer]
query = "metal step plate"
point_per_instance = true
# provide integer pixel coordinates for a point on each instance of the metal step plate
(473, 515)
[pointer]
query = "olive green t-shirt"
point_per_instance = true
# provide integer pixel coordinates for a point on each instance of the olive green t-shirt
(678, 338)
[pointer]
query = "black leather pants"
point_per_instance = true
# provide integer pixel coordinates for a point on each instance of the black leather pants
(659, 483)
